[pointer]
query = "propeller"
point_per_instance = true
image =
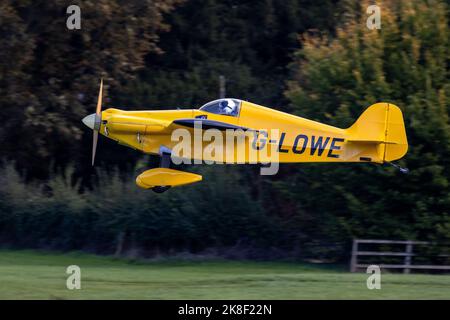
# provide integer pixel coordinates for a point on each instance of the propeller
(93, 121)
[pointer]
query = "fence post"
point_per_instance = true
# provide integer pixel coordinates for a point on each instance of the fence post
(354, 259)
(409, 250)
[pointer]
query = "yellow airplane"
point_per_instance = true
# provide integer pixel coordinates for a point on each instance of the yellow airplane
(378, 136)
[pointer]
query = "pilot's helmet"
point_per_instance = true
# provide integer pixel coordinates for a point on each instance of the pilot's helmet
(227, 106)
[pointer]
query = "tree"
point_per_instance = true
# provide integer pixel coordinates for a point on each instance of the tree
(249, 42)
(335, 78)
(50, 75)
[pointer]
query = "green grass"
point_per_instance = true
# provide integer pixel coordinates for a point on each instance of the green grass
(40, 275)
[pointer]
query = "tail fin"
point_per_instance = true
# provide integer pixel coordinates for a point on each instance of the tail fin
(381, 124)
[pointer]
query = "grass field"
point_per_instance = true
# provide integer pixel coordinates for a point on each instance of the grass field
(40, 275)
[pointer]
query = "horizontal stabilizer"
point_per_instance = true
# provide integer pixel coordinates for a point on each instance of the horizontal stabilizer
(370, 141)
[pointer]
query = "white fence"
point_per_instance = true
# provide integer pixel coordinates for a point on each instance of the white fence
(408, 255)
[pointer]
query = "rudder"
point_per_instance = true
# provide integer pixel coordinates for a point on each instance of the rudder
(381, 124)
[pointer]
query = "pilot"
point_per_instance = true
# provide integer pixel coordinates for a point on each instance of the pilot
(227, 107)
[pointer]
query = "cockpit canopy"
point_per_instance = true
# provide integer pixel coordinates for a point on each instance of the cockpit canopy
(228, 107)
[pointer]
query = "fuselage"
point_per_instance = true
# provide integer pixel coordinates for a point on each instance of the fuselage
(293, 138)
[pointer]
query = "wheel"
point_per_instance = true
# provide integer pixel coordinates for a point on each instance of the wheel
(160, 189)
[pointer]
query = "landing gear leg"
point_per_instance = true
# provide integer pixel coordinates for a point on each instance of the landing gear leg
(165, 162)
(165, 154)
